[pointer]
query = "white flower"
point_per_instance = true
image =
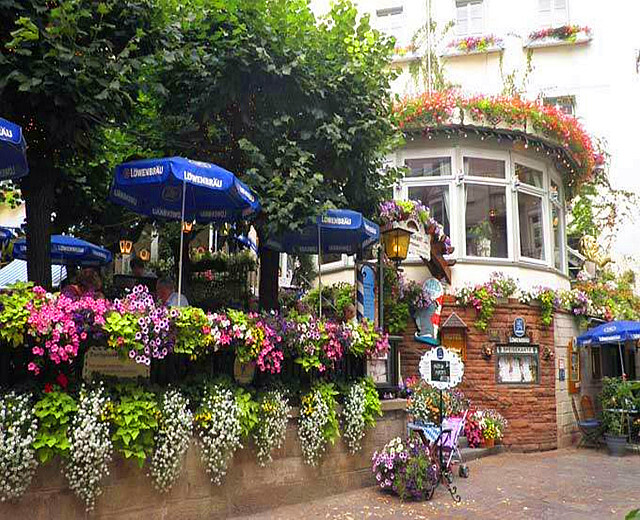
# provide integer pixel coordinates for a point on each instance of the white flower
(271, 430)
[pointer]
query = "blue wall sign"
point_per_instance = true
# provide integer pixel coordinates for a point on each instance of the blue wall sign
(369, 286)
(519, 327)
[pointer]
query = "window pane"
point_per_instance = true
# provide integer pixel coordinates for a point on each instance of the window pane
(437, 198)
(486, 221)
(484, 167)
(558, 246)
(430, 167)
(329, 258)
(554, 194)
(531, 229)
(529, 175)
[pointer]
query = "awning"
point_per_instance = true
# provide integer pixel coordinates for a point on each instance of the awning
(612, 332)
(16, 271)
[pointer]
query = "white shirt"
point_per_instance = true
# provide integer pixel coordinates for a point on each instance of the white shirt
(172, 301)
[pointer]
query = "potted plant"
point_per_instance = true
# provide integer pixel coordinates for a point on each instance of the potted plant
(617, 399)
(482, 234)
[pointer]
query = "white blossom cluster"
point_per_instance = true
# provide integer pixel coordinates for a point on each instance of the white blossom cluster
(219, 431)
(18, 426)
(353, 416)
(90, 449)
(311, 429)
(172, 440)
(271, 430)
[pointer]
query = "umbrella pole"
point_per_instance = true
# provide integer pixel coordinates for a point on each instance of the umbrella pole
(184, 193)
(319, 272)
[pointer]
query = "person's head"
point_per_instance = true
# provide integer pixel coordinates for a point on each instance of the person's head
(165, 287)
(349, 312)
(137, 267)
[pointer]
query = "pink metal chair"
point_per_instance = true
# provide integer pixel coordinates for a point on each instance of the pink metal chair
(452, 428)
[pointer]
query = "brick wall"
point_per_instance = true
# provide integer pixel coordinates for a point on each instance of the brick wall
(530, 409)
(247, 488)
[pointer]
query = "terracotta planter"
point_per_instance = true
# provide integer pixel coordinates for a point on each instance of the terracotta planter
(489, 443)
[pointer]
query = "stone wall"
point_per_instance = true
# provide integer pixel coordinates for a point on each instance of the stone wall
(530, 409)
(248, 488)
(564, 330)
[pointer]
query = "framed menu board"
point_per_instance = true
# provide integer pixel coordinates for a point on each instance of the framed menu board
(517, 364)
(573, 355)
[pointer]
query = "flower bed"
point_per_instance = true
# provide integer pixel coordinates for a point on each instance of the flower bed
(52, 330)
(84, 430)
(431, 111)
(563, 33)
(473, 44)
(484, 298)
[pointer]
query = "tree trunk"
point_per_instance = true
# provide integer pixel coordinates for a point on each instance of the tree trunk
(269, 265)
(38, 194)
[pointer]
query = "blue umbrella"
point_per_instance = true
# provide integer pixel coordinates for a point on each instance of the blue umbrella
(612, 332)
(5, 236)
(247, 242)
(335, 231)
(341, 231)
(181, 189)
(67, 250)
(13, 152)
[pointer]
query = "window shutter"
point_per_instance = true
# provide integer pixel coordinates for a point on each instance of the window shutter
(559, 12)
(544, 12)
(475, 18)
(462, 25)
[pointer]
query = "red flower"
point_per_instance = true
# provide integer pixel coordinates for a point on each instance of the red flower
(48, 388)
(62, 380)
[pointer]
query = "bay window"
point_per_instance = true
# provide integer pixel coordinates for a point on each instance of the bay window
(486, 220)
(493, 204)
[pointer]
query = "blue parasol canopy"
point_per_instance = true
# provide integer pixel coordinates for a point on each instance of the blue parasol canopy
(67, 250)
(13, 151)
(612, 332)
(155, 187)
(5, 236)
(247, 242)
(341, 231)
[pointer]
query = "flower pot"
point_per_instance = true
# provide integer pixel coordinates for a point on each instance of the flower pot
(616, 444)
(489, 443)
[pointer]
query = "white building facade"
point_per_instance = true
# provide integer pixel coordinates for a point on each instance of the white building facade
(504, 204)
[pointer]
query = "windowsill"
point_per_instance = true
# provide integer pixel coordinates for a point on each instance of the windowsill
(406, 58)
(454, 52)
(508, 262)
(581, 39)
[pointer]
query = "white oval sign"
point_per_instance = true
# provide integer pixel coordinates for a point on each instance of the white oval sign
(441, 368)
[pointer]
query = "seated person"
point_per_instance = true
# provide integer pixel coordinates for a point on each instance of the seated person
(138, 269)
(87, 283)
(166, 291)
(349, 314)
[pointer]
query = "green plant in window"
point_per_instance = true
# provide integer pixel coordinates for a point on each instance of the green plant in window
(481, 230)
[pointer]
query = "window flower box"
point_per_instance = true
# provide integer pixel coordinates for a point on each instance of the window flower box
(405, 54)
(555, 36)
(473, 45)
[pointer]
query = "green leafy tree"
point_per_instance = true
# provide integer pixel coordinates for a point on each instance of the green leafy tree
(297, 107)
(67, 68)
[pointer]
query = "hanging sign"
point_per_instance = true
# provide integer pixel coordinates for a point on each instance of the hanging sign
(368, 293)
(105, 361)
(441, 368)
(519, 332)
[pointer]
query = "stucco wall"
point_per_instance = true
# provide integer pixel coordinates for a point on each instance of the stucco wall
(564, 330)
(129, 493)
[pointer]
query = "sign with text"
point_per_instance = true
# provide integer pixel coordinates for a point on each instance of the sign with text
(517, 364)
(441, 368)
(369, 293)
(105, 361)
(420, 241)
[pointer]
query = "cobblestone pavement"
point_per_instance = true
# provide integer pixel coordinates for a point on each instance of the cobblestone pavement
(564, 484)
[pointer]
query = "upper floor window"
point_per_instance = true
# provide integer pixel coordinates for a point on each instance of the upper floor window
(478, 167)
(552, 13)
(390, 19)
(429, 167)
(469, 17)
(566, 104)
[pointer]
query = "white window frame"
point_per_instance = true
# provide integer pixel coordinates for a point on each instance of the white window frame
(467, 8)
(543, 194)
(561, 206)
(391, 24)
(554, 21)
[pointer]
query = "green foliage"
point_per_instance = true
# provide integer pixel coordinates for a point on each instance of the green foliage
(248, 411)
(54, 412)
(135, 422)
(189, 330)
(14, 313)
(334, 299)
(617, 395)
(396, 317)
(613, 296)
(372, 406)
(121, 331)
(326, 393)
(634, 514)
